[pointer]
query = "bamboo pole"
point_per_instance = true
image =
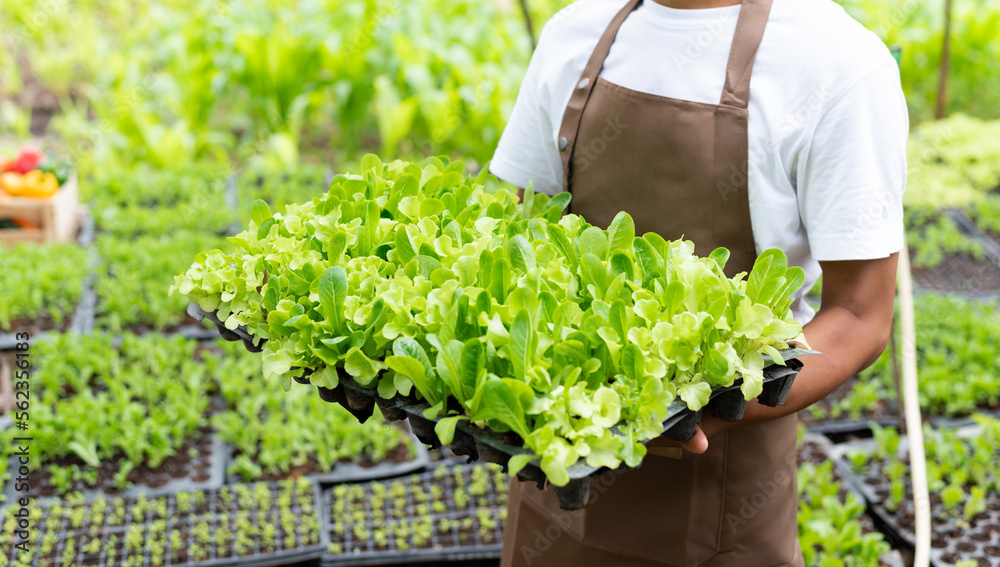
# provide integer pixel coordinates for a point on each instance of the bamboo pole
(911, 400)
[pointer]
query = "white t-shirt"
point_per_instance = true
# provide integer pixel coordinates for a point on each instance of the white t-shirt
(828, 121)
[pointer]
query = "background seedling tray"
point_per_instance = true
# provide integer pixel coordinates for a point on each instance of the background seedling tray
(950, 543)
(210, 512)
(497, 448)
(451, 545)
(216, 471)
(815, 448)
(353, 472)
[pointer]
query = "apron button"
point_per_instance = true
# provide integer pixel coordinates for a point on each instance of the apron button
(583, 83)
(563, 143)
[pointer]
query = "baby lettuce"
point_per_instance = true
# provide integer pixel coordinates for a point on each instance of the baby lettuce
(419, 281)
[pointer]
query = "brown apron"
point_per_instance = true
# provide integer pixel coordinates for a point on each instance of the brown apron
(680, 169)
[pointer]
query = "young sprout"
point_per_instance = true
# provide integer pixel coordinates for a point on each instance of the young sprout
(976, 504)
(93, 547)
(183, 502)
(951, 497)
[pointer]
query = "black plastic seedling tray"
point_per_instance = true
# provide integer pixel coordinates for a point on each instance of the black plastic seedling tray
(951, 541)
(453, 532)
(490, 446)
(212, 463)
(816, 448)
(353, 472)
(82, 319)
(123, 536)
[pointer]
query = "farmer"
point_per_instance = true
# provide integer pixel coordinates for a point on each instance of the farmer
(650, 107)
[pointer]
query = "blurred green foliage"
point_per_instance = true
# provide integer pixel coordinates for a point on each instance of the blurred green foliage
(327, 80)
(169, 82)
(917, 26)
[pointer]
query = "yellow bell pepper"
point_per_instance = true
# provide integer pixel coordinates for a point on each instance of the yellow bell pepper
(34, 184)
(11, 183)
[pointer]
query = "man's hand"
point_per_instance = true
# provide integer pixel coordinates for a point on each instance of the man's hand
(851, 330)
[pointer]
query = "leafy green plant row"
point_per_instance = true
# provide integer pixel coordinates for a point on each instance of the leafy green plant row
(103, 408)
(986, 215)
(952, 163)
(143, 200)
(276, 433)
(962, 469)
(418, 281)
(279, 187)
(153, 221)
(134, 271)
(41, 285)
(933, 236)
(957, 366)
(830, 529)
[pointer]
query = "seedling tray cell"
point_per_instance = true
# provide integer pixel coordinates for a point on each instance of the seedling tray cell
(953, 537)
(452, 513)
(497, 448)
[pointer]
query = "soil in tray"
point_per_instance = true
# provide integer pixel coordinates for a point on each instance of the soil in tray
(38, 324)
(192, 461)
(810, 451)
(101, 322)
(960, 273)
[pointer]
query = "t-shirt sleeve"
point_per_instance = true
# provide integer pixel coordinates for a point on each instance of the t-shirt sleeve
(851, 178)
(527, 150)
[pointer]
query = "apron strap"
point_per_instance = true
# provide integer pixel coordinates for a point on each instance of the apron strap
(746, 40)
(581, 93)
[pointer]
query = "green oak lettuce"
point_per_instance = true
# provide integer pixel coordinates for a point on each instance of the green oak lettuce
(420, 281)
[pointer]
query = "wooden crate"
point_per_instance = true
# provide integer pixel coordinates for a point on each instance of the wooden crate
(58, 217)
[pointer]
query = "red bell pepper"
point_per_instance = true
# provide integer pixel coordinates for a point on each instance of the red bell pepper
(28, 158)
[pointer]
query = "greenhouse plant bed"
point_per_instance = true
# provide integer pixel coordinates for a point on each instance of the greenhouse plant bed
(990, 241)
(452, 513)
(213, 528)
(829, 417)
(961, 274)
(359, 472)
(498, 448)
(177, 473)
(814, 450)
(965, 525)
